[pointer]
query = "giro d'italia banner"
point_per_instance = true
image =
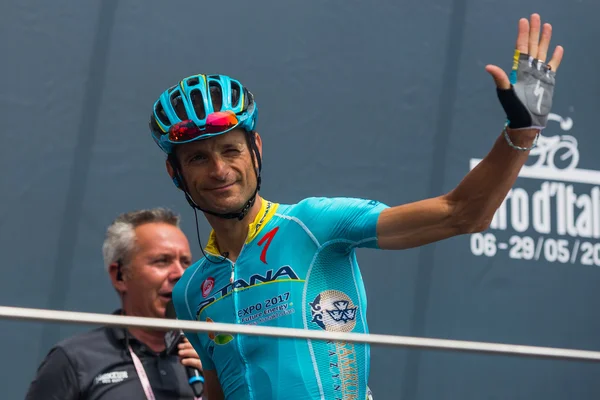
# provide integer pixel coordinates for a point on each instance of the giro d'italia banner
(552, 213)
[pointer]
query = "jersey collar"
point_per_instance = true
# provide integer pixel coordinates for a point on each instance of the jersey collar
(264, 215)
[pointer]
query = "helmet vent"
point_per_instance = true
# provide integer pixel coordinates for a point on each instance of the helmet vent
(178, 106)
(160, 113)
(198, 103)
(235, 94)
(216, 95)
(247, 99)
(193, 81)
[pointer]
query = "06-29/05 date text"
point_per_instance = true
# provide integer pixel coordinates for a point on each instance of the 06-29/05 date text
(541, 248)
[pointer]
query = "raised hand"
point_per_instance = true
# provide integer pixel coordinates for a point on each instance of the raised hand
(527, 96)
(530, 43)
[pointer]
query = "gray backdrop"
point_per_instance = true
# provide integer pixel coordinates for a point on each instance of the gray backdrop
(380, 99)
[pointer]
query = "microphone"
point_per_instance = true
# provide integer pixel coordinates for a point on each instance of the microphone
(172, 339)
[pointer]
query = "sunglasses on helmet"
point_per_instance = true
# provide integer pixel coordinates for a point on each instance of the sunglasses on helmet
(216, 122)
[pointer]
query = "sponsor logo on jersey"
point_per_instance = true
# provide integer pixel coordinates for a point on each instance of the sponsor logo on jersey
(285, 272)
(333, 310)
(207, 286)
(344, 370)
(260, 223)
(268, 237)
(220, 339)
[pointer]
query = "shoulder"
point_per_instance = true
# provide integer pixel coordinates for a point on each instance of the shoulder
(314, 206)
(78, 348)
(83, 341)
(194, 273)
(306, 206)
(84, 338)
(352, 219)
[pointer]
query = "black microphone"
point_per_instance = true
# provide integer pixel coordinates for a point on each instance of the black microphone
(172, 339)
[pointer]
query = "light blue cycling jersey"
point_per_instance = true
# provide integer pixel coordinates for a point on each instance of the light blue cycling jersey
(297, 269)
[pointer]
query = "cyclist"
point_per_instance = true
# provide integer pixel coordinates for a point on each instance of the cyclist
(294, 265)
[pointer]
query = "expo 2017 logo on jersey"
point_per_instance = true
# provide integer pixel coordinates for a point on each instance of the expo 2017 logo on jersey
(333, 310)
(552, 213)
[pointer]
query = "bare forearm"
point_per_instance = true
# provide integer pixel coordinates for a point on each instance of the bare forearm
(481, 192)
(470, 207)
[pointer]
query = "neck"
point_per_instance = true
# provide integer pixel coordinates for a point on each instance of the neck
(231, 234)
(154, 340)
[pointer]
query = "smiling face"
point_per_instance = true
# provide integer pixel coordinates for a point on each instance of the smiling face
(219, 172)
(160, 255)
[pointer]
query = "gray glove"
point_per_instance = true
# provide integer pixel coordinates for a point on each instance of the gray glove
(529, 100)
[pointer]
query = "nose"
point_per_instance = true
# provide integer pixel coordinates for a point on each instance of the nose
(176, 271)
(219, 169)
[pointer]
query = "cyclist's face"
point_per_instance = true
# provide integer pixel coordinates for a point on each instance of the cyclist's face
(219, 172)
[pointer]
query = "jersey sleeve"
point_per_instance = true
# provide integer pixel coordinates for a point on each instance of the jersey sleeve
(352, 220)
(184, 312)
(56, 378)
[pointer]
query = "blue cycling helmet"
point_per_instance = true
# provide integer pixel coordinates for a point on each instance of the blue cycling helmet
(196, 107)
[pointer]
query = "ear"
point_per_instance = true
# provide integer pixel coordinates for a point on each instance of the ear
(258, 142)
(170, 169)
(171, 172)
(118, 282)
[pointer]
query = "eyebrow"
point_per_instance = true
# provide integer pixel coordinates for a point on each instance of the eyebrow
(185, 155)
(156, 256)
(167, 255)
(228, 145)
(187, 259)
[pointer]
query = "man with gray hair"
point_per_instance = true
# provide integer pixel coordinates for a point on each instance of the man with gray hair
(145, 253)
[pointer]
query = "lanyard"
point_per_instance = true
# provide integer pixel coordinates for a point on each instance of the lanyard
(142, 374)
(143, 377)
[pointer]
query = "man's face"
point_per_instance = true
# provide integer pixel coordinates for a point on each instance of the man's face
(219, 172)
(161, 254)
